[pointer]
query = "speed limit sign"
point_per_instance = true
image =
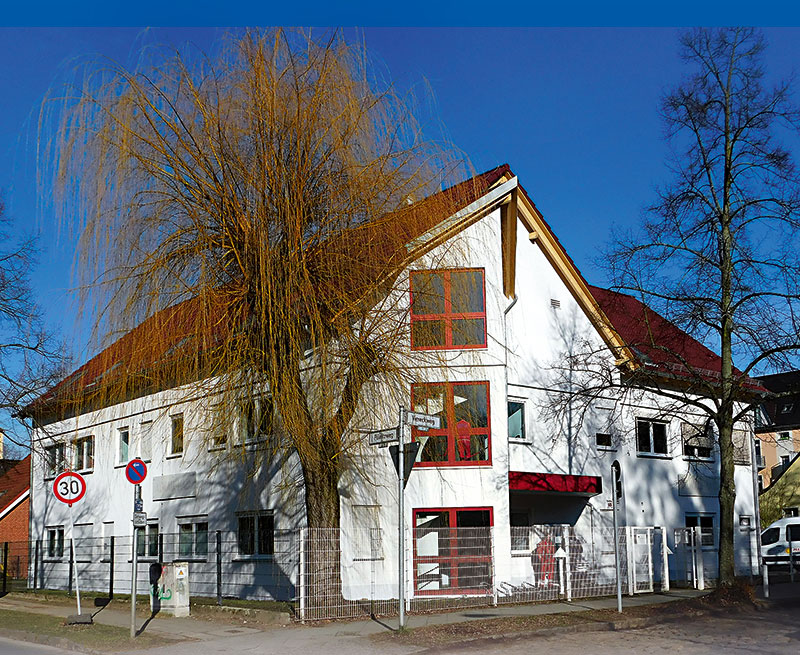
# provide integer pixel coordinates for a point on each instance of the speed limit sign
(69, 487)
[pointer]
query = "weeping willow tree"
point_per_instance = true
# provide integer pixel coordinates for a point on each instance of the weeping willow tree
(251, 214)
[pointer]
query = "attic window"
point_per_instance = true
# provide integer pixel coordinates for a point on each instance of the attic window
(555, 304)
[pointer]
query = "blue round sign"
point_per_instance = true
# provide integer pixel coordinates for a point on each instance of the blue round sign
(136, 471)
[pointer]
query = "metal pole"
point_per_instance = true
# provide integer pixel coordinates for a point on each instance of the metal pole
(5, 565)
(401, 429)
(614, 481)
(665, 560)
(791, 555)
(36, 549)
(111, 571)
(72, 555)
(219, 568)
(765, 569)
(302, 574)
(134, 566)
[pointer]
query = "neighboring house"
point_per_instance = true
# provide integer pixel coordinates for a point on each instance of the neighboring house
(15, 483)
(782, 498)
(778, 427)
(506, 311)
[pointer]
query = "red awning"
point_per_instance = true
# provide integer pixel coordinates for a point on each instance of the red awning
(579, 485)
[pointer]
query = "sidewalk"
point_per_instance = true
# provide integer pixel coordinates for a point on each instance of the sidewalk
(345, 638)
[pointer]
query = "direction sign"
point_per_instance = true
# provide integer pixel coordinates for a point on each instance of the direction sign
(382, 437)
(69, 487)
(424, 421)
(136, 471)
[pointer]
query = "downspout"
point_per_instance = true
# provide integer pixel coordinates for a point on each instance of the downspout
(505, 340)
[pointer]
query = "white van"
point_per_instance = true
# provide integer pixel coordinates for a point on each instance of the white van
(776, 538)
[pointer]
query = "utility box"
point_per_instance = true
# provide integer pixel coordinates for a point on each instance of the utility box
(169, 588)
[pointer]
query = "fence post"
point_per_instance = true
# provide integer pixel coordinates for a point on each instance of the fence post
(5, 566)
(664, 561)
(219, 568)
(791, 557)
(698, 557)
(71, 565)
(567, 563)
(494, 567)
(36, 564)
(631, 559)
(111, 570)
(300, 574)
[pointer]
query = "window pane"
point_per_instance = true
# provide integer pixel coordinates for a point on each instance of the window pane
(466, 291)
(427, 334)
(152, 540)
(770, 536)
(247, 535)
(793, 533)
(201, 539)
(471, 404)
(185, 540)
(469, 332)
(516, 420)
(430, 399)
(140, 542)
(603, 439)
(659, 438)
(427, 293)
(433, 447)
(177, 434)
(266, 534)
(643, 436)
(472, 448)
(89, 453)
(124, 439)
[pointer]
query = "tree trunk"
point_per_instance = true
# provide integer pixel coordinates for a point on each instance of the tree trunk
(727, 500)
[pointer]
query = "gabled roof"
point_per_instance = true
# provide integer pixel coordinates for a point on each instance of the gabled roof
(660, 346)
(14, 484)
(784, 412)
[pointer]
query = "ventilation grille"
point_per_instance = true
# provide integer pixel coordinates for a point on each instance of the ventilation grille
(555, 304)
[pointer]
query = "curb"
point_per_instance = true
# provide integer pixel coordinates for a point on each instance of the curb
(46, 640)
(598, 626)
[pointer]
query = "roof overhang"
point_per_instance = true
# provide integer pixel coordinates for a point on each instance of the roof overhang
(555, 483)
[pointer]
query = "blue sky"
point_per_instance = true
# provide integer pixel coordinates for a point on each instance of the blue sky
(574, 111)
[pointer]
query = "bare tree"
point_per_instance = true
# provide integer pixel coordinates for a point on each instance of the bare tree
(718, 253)
(255, 209)
(30, 357)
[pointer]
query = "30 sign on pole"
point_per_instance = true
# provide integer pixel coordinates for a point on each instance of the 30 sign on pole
(69, 487)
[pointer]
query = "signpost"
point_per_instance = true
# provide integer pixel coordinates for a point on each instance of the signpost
(136, 472)
(399, 453)
(69, 487)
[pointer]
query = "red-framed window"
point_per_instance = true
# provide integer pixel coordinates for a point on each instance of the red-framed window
(464, 438)
(453, 550)
(448, 309)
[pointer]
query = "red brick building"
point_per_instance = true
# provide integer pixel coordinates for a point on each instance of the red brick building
(15, 479)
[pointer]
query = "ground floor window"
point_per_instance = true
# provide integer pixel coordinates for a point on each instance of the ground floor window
(706, 525)
(193, 539)
(55, 542)
(146, 540)
(256, 534)
(453, 550)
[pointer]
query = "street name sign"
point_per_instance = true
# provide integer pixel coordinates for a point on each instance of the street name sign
(423, 421)
(139, 520)
(382, 437)
(69, 487)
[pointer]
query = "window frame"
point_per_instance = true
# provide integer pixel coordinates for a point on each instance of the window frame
(523, 438)
(450, 431)
(59, 543)
(174, 419)
(705, 531)
(126, 430)
(150, 545)
(76, 448)
(448, 316)
(193, 522)
(652, 452)
(257, 516)
(59, 462)
(251, 412)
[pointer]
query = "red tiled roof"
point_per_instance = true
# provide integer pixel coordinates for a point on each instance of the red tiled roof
(659, 344)
(14, 483)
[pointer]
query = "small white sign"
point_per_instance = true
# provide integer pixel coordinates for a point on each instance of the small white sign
(139, 520)
(425, 421)
(180, 573)
(382, 437)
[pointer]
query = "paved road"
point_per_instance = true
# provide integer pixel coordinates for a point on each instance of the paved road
(11, 647)
(767, 632)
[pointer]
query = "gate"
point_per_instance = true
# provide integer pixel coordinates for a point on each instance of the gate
(689, 557)
(640, 554)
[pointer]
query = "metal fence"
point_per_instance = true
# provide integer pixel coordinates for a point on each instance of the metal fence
(332, 573)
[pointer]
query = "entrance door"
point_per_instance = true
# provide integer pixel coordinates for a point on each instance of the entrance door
(453, 551)
(642, 560)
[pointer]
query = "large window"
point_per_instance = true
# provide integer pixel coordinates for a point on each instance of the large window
(54, 459)
(464, 437)
(448, 309)
(193, 539)
(256, 533)
(651, 437)
(516, 420)
(698, 441)
(83, 454)
(256, 419)
(147, 540)
(453, 550)
(124, 451)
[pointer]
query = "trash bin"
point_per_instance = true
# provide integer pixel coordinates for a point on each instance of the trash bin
(169, 588)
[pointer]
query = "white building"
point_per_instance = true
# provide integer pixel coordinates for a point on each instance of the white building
(503, 312)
